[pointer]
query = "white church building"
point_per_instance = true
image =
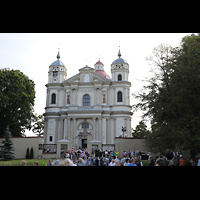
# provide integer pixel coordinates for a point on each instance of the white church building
(88, 108)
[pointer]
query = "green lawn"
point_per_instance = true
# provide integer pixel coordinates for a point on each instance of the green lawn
(145, 162)
(29, 162)
(42, 162)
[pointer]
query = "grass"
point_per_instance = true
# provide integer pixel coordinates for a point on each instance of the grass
(42, 162)
(29, 162)
(145, 162)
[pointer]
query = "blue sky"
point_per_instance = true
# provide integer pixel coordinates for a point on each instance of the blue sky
(32, 53)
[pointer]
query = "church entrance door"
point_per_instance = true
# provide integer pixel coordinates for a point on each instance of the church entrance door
(84, 143)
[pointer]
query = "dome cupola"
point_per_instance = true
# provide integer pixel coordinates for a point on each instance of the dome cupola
(58, 62)
(119, 60)
(99, 69)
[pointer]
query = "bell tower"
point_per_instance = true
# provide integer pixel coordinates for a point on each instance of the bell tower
(57, 71)
(120, 69)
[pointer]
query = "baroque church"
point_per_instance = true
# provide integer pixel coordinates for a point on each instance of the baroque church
(88, 108)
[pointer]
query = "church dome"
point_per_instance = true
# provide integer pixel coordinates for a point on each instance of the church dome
(99, 69)
(102, 73)
(119, 60)
(58, 62)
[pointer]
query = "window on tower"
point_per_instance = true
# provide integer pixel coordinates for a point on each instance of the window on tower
(119, 77)
(119, 96)
(53, 98)
(55, 73)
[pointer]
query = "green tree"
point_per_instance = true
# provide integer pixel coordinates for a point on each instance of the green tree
(31, 156)
(171, 98)
(38, 126)
(7, 146)
(17, 96)
(27, 153)
(140, 131)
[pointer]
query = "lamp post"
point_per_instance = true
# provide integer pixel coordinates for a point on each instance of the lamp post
(123, 130)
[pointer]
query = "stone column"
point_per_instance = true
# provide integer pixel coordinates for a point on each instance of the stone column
(68, 126)
(65, 128)
(61, 128)
(100, 129)
(94, 128)
(74, 130)
(104, 124)
(108, 134)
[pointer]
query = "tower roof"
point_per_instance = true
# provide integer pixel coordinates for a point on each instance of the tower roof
(58, 62)
(119, 60)
(99, 62)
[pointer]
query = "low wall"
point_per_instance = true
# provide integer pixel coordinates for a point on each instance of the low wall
(20, 145)
(128, 143)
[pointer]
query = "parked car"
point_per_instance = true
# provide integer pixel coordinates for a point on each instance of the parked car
(144, 156)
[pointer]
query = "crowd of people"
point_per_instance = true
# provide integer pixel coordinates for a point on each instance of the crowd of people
(81, 157)
(177, 160)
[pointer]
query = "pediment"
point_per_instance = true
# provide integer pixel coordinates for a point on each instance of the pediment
(75, 78)
(92, 76)
(87, 68)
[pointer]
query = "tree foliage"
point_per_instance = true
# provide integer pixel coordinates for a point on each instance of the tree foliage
(171, 98)
(38, 126)
(17, 96)
(7, 146)
(140, 130)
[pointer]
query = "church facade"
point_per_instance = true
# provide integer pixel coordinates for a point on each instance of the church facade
(89, 107)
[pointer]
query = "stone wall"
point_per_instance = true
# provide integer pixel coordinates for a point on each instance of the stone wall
(124, 144)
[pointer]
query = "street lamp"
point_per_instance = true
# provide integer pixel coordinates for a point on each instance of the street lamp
(123, 130)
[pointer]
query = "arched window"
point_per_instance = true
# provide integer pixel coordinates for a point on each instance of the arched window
(85, 125)
(119, 77)
(86, 100)
(119, 96)
(53, 98)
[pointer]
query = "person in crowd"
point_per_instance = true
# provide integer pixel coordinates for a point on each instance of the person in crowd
(198, 162)
(151, 160)
(159, 162)
(118, 163)
(68, 162)
(166, 163)
(181, 161)
(49, 163)
(81, 162)
(126, 163)
(192, 161)
(96, 162)
(56, 162)
(112, 163)
(88, 162)
(23, 163)
(133, 162)
(35, 163)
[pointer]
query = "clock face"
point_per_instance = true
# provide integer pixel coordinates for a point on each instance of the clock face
(86, 78)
